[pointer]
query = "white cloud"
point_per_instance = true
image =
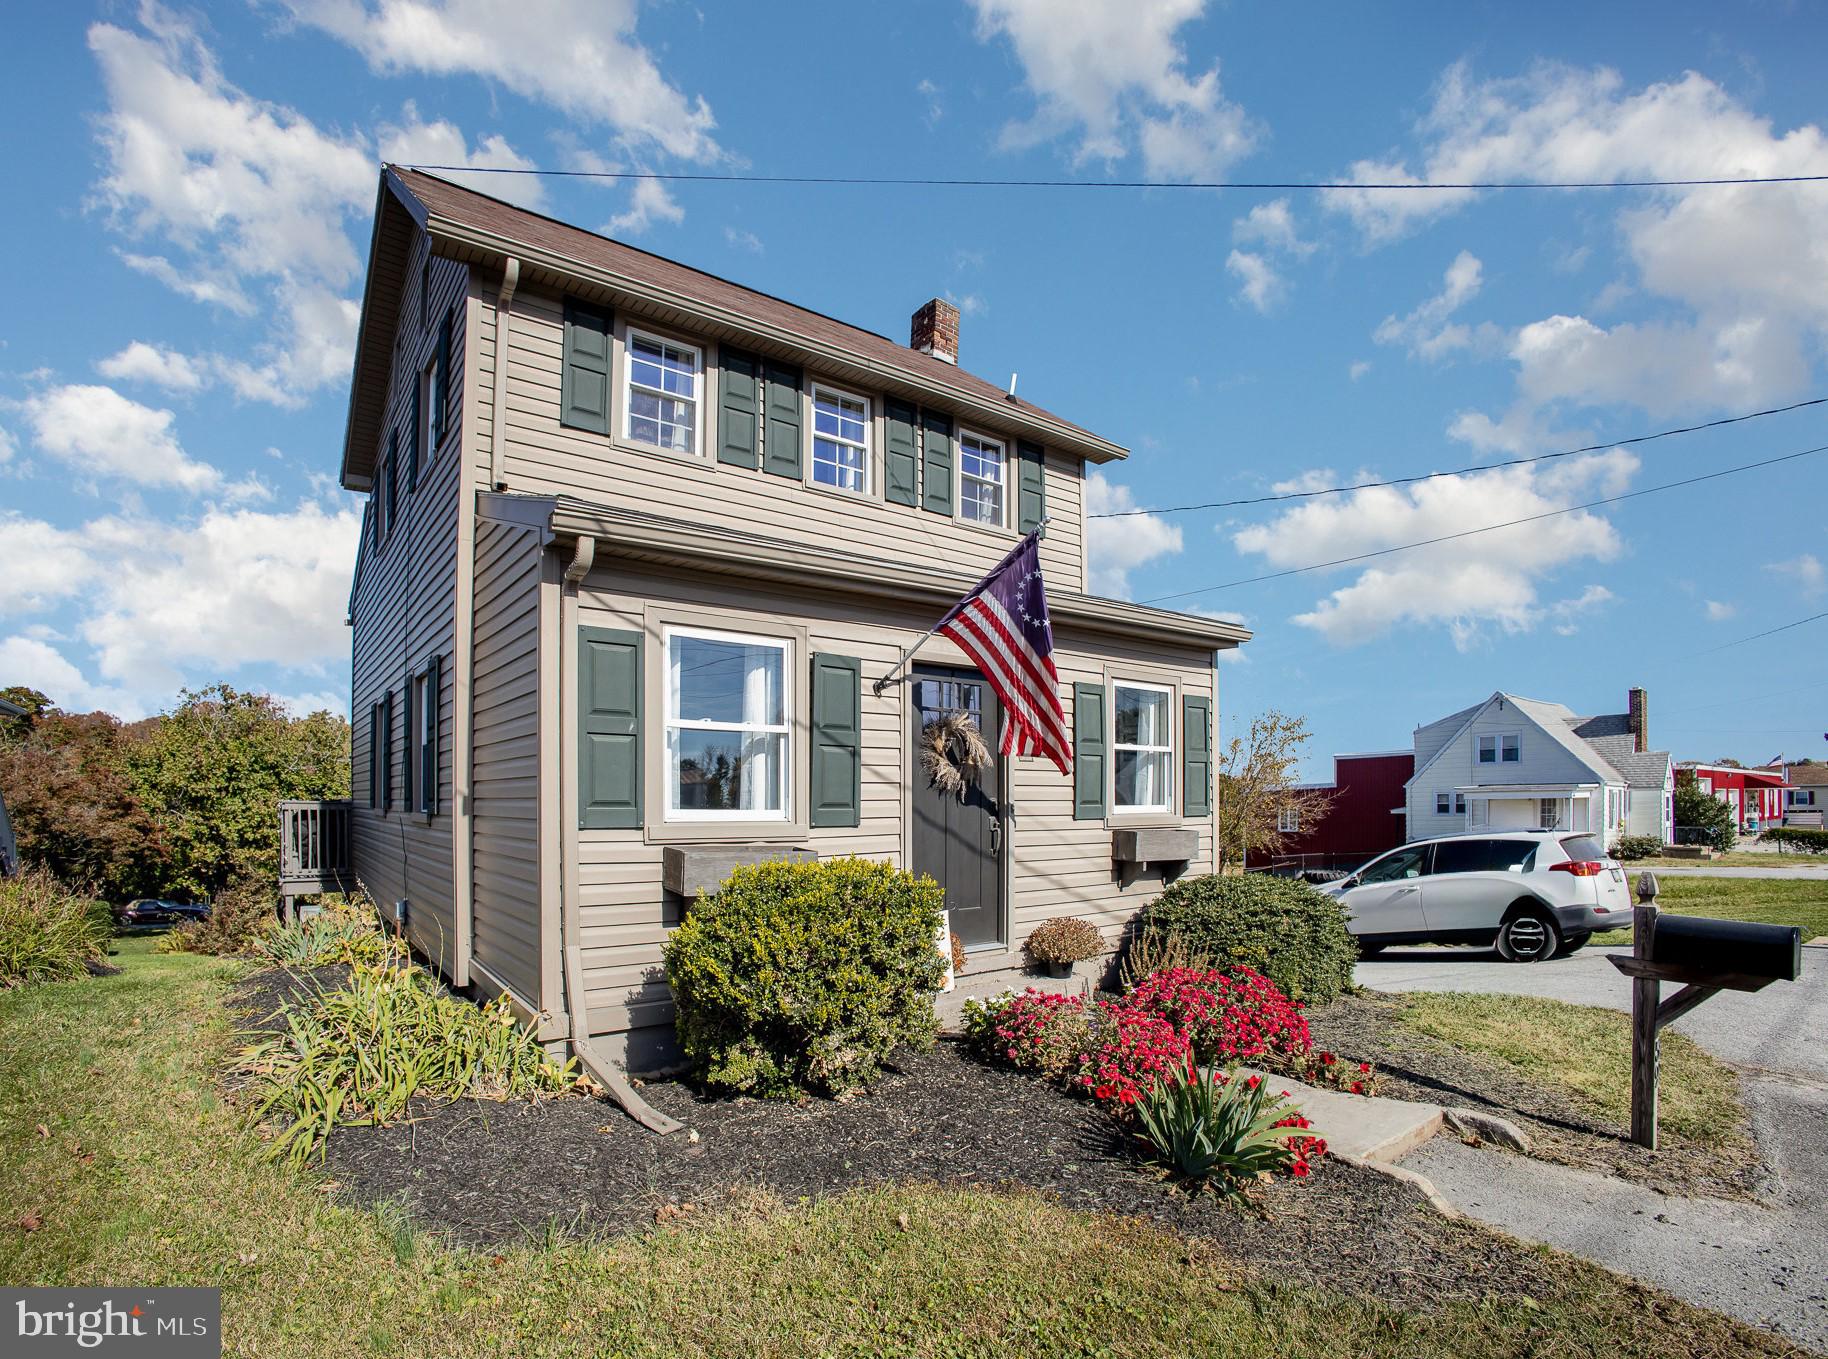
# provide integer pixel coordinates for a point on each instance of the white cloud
(650, 202)
(156, 366)
(970, 304)
(1359, 369)
(1566, 615)
(414, 141)
(743, 240)
(1466, 585)
(581, 59)
(1258, 282)
(101, 433)
(927, 90)
(1660, 367)
(37, 664)
(1111, 73)
(1806, 570)
(303, 705)
(43, 565)
(1116, 547)
(311, 351)
(1271, 224)
(8, 445)
(1718, 612)
(1426, 332)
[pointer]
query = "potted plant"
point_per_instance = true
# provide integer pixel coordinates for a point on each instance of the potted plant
(1059, 943)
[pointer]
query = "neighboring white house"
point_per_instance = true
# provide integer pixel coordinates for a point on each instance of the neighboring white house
(1515, 763)
(1806, 795)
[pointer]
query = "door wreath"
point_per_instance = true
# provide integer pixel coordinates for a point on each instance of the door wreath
(952, 752)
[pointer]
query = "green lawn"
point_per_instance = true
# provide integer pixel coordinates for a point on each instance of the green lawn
(120, 1163)
(1737, 858)
(1585, 1050)
(1774, 901)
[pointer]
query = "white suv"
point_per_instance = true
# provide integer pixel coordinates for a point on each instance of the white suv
(1531, 894)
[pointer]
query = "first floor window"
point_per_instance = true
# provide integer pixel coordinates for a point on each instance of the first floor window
(1143, 748)
(1459, 804)
(983, 472)
(1550, 817)
(424, 740)
(840, 440)
(727, 734)
(1288, 821)
(662, 392)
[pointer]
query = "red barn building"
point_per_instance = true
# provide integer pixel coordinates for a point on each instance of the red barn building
(1366, 818)
(1755, 795)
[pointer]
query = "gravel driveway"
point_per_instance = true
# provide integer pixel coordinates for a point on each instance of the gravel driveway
(1763, 1263)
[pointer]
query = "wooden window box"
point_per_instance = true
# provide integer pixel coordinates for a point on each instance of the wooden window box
(1161, 845)
(698, 870)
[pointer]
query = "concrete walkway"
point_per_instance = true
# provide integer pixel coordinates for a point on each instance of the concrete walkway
(1765, 1263)
(1801, 873)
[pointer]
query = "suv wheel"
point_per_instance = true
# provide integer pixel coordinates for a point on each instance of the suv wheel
(1528, 936)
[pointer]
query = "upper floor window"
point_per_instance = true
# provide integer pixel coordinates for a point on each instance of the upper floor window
(983, 480)
(727, 732)
(1510, 749)
(430, 398)
(393, 480)
(662, 390)
(840, 439)
(1143, 748)
(1288, 821)
(1441, 804)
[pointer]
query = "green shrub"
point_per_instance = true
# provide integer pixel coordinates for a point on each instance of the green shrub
(242, 914)
(47, 932)
(1211, 1131)
(1290, 932)
(1804, 838)
(1629, 847)
(345, 932)
(1702, 818)
(357, 1053)
(797, 978)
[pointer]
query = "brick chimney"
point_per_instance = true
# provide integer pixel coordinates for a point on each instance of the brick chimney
(935, 330)
(1637, 717)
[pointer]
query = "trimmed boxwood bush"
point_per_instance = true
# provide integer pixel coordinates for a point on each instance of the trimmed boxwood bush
(1805, 838)
(1291, 932)
(798, 978)
(1629, 847)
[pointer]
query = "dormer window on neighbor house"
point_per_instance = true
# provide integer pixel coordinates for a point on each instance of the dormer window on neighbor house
(1507, 749)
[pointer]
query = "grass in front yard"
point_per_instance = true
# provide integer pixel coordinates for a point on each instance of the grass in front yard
(1736, 858)
(142, 1174)
(1772, 901)
(1585, 1050)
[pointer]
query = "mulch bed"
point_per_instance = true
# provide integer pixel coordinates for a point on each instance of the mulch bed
(484, 1173)
(1562, 1128)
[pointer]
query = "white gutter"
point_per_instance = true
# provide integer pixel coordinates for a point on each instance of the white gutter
(498, 415)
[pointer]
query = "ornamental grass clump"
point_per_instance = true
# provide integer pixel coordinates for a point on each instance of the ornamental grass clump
(1211, 1131)
(356, 1054)
(1287, 930)
(797, 978)
(344, 932)
(47, 932)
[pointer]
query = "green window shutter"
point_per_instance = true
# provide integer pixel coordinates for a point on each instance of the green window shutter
(900, 459)
(374, 754)
(412, 459)
(609, 729)
(1089, 747)
(783, 437)
(416, 428)
(1196, 756)
(584, 385)
(936, 449)
(387, 750)
(1031, 486)
(428, 755)
(408, 754)
(837, 740)
(442, 416)
(737, 407)
(393, 488)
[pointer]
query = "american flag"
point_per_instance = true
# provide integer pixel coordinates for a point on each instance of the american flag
(1002, 626)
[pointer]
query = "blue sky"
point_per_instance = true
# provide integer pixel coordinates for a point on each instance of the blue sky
(191, 190)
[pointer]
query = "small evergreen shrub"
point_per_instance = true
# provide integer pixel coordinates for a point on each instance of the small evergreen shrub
(1064, 940)
(1288, 931)
(1629, 847)
(241, 915)
(798, 978)
(1804, 838)
(47, 932)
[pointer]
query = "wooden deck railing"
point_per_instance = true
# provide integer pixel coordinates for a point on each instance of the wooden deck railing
(314, 847)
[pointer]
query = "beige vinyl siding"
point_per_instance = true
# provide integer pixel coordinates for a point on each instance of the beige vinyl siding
(544, 457)
(505, 758)
(402, 614)
(1059, 865)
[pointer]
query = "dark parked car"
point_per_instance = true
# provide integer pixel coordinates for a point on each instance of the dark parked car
(152, 911)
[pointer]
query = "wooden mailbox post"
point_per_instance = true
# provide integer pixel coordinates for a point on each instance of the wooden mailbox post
(1706, 956)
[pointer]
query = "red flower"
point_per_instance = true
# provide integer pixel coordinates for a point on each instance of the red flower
(1358, 1087)
(1364, 1068)
(1299, 1170)
(1327, 1059)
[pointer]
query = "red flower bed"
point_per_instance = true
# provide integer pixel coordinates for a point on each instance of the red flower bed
(1227, 1017)
(1134, 1050)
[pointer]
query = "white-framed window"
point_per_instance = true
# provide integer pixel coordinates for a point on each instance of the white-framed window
(840, 439)
(1802, 797)
(729, 741)
(1549, 813)
(1288, 821)
(428, 397)
(1707, 785)
(1488, 750)
(983, 479)
(662, 383)
(1143, 747)
(1459, 804)
(1510, 749)
(1442, 803)
(423, 736)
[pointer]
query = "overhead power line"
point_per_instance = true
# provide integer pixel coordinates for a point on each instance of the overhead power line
(1509, 523)
(1768, 632)
(1464, 471)
(1266, 185)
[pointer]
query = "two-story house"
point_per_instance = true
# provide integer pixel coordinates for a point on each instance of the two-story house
(1520, 763)
(641, 545)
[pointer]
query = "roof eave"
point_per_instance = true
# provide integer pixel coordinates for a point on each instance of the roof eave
(1051, 431)
(379, 318)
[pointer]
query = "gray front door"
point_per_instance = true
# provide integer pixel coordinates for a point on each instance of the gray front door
(958, 836)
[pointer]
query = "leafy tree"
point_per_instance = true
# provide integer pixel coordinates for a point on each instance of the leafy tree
(1257, 786)
(14, 728)
(1702, 818)
(212, 772)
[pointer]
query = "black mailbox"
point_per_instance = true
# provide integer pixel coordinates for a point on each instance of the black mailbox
(1731, 947)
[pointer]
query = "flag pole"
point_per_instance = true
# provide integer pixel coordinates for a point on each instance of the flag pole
(907, 657)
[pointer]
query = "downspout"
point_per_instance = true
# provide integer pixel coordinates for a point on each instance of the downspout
(601, 1069)
(498, 420)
